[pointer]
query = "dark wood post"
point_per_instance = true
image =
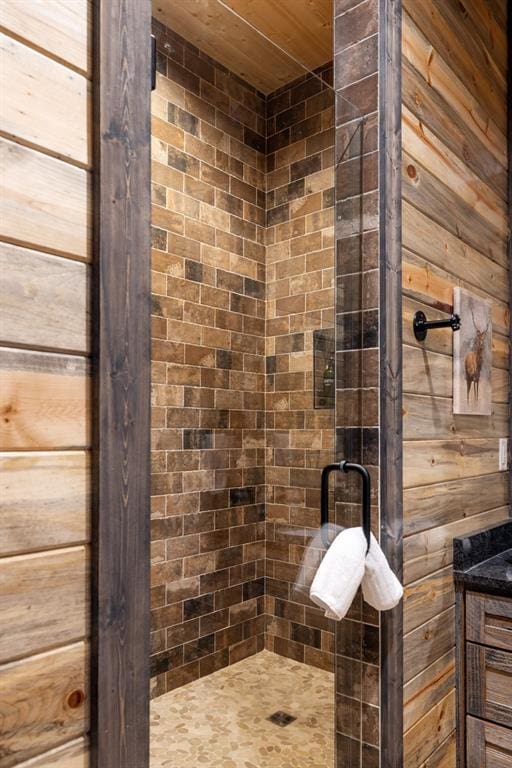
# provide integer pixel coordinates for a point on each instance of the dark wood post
(121, 341)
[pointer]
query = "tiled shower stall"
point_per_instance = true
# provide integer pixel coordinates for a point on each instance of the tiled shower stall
(261, 266)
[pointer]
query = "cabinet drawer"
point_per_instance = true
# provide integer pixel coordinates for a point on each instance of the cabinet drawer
(489, 683)
(487, 745)
(489, 620)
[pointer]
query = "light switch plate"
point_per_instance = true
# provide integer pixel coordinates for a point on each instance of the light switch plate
(503, 455)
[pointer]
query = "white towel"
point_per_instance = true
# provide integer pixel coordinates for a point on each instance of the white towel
(381, 588)
(340, 573)
(313, 555)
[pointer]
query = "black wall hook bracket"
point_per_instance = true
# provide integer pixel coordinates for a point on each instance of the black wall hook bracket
(421, 325)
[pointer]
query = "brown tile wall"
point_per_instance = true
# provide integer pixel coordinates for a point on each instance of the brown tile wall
(300, 300)
(260, 176)
(357, 357)
(243, 274)
(208, 293)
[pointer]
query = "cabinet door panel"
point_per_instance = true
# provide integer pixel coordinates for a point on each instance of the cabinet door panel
(489, 683)
(488, 745)
(489, 620)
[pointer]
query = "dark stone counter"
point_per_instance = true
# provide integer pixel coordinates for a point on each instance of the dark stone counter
(483, 560)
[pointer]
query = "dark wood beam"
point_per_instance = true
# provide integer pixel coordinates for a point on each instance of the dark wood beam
(121, 337)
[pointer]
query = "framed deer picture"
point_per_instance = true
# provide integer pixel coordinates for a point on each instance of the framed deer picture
(472, 355)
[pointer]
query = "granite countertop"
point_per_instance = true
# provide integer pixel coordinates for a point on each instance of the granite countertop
(483, 560)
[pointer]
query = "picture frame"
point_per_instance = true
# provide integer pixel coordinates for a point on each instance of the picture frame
(472, 355)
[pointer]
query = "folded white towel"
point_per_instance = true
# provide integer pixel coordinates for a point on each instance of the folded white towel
(340, 573)
(381, 588)
(313, 555)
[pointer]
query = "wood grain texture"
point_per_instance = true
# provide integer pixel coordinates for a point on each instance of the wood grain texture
(436, 71)
(433, 155)
(286, 37)
(428, 597)
(50, 212)
(72, 755)
(60, 29)
(424, 645)
(75, 754)
(41, 96)
(391, 375)
(455, 195)
(120, 672)
(428, 688)
(302, 28)
(460, 666)
(431, 418)
(484, 29)
(430, 550)
(45, 214)
(44, 500)
(489, 745)
(439, 247)
(436, 461)
(426, 192)
(444, 756)
(428, 373)
(44, 401)
(44, 601)
(468, 60)
(44, 300)
(488, 683)
(440, 504)
(430, 731)
(489, 25)
(36, 712)
(422, 99)
(489, 620)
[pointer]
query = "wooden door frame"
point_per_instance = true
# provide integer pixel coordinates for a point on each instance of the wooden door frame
(121, 385)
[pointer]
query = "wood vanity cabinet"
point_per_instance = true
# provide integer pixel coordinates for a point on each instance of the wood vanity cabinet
(484, 656)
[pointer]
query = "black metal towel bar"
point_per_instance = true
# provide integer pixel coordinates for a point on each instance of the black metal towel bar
(344, 466)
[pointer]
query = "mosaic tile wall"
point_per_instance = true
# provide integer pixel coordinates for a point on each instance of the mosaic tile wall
(300, 300)
(357, 359)
(208, 262)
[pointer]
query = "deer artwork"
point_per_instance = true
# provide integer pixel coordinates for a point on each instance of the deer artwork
(474, 359)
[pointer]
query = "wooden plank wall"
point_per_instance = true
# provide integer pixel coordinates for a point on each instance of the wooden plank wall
(45, 256)
(454, 207)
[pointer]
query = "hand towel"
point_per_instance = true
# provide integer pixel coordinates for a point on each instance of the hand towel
(340, 573)
(312, 557)
(381, 588)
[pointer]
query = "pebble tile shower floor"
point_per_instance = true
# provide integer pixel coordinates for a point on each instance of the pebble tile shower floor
(221, 721)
